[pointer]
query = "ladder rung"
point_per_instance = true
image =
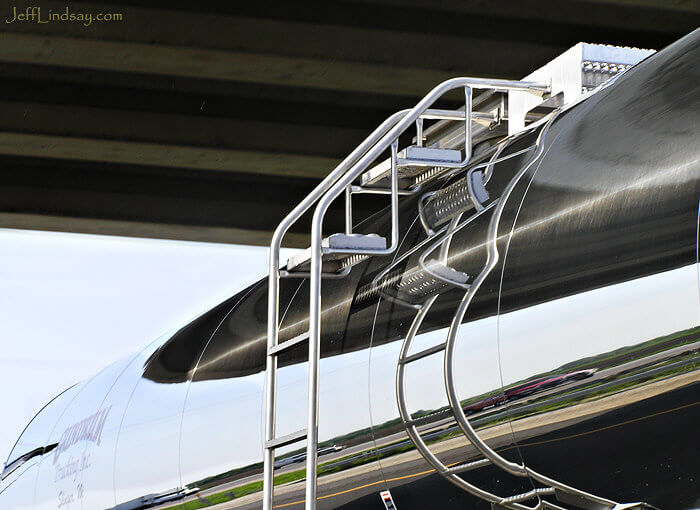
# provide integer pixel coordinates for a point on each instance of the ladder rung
(447, 273)
(527, 495)
(288, 344)
(281, 441)
(467, 466)
(455, 199)
(380, 191)
(411, 162)
(361, 244)
(435, 114)
(429, 418)
(423, 354)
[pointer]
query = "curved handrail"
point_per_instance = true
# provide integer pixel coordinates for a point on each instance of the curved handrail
(406, 417)
(492, 258)
(405, 122)
(273, 284)
(449, 366)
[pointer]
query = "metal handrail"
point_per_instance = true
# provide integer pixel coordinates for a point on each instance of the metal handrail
(404, 412)
(491, 261)
(450, 346)
(489, 455)
(443, 242)
(273, 290)
(339, 181)
(385, 136)
(390, 138)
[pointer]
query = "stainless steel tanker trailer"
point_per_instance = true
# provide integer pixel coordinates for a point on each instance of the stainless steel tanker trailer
(518, 327)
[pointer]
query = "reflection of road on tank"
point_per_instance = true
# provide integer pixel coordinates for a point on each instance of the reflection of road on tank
(571, 381)
(582, 419)
(609, 377)
(574, 386)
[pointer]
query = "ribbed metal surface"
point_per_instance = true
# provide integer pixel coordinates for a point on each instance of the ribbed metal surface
(448, 203)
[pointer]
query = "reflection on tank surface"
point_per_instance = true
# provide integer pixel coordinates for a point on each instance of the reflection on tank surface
(576, 356)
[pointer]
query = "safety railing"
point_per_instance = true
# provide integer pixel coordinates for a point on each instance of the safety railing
(340, 181)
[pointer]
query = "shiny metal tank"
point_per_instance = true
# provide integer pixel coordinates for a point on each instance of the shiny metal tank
(578, 356)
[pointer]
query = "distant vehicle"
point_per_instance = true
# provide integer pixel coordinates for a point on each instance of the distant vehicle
(531, 387)
(301, 457)
(486, 403)
(330, 449)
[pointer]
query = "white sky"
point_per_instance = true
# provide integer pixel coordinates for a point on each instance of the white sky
(70, 304)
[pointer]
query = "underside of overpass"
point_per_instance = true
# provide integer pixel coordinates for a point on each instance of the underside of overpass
(211, 121)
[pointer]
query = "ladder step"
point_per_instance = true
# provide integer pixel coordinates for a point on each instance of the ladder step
(281, 441)
(481, 117)
(422, 354)
(467, 466)
(411, 162)
(287, 344)
(453, 200)
(527, 495)
(429, 418)
(418, 285)
(447, 273)
(363, 244)
(413, 286)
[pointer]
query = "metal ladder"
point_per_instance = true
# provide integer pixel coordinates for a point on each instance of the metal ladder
(334, 256)
(563, 493)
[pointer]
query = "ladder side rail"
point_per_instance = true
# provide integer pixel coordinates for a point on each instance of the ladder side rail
(449, 360)
(449, 368)
(315, 300)
(404, 413)
(273, 295)
(327, 182)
